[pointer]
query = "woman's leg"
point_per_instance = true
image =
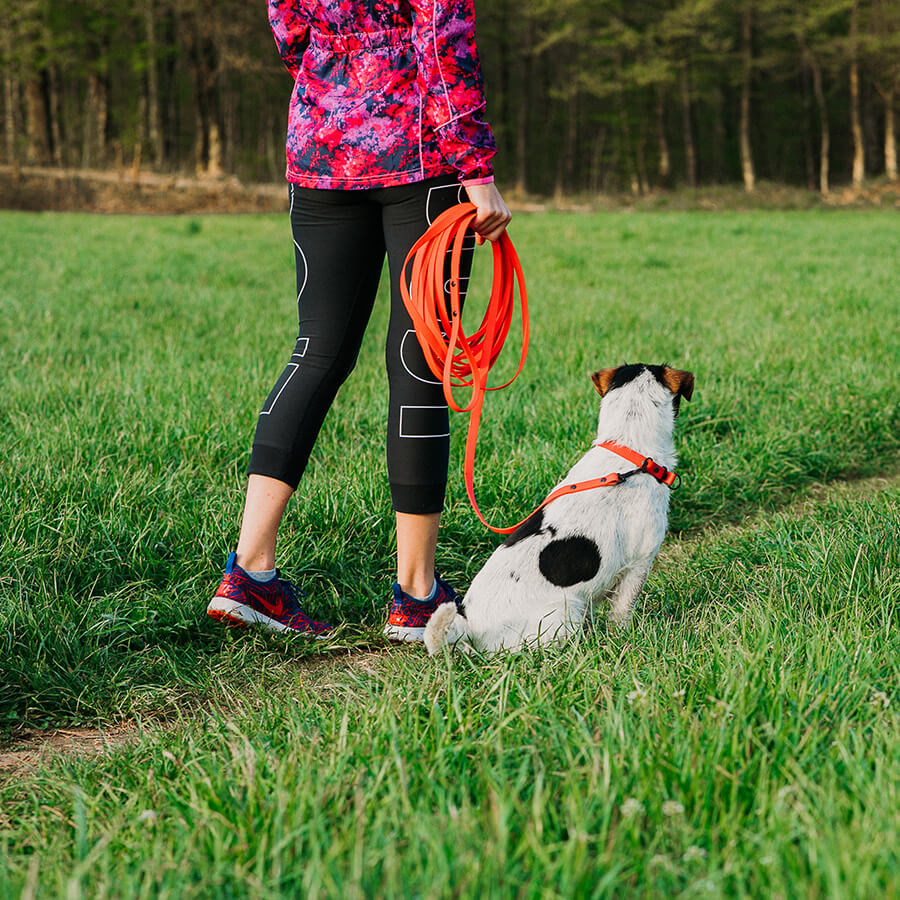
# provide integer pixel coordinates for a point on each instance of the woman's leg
(263, 508)
(339, 252)
(416, 544)
(418, 419)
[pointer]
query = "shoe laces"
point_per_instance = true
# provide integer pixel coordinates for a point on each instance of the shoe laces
(294, 593)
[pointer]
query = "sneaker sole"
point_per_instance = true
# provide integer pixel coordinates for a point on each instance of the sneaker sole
(239, 615)
(404, 633)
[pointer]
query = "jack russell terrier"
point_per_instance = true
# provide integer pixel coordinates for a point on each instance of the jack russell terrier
(594, 538)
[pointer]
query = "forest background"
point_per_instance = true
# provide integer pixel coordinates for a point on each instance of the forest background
(584, 95)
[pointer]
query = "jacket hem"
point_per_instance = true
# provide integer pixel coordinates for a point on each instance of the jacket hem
(361, 182)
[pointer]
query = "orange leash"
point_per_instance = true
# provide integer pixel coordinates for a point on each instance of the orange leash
(458, 359)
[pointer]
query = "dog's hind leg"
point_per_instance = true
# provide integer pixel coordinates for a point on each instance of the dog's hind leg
(625, 593)
(599, 607)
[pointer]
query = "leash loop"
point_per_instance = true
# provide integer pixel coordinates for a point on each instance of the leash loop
(453, 357)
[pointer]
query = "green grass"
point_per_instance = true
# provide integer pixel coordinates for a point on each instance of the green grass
(741, 740)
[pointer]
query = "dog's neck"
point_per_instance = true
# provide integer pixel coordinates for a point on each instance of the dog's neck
(633, 419)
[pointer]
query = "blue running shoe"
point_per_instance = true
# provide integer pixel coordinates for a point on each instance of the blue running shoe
(242, 601)
(408, 616)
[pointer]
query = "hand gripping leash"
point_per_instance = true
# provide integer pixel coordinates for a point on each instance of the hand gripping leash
(458, 359)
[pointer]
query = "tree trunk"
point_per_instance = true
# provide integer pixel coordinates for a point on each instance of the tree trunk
(522, 109)
(825, 142)
(690, 153)
(55, 118)
(890, 129)
(890, 137)
(625, 139)
(665, 159)
(36, 124)
(597, 160)
(11, 88)
(747, 168)
(640, 159)
(214, 167)
(95, 122)
(859, 154)
(10, 99)
(571, 141)
(10, 91)
(154, 116)
(808, 155)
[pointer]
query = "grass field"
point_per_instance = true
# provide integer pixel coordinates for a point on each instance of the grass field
(742, 739)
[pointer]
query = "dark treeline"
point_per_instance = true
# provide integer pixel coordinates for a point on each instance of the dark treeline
(584, 95)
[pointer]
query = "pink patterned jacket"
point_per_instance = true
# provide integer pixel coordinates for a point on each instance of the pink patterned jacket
(386, 92)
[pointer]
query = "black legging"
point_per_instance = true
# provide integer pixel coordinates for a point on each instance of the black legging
(340, 238)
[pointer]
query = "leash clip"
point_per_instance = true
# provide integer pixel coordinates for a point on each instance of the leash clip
(660, 473)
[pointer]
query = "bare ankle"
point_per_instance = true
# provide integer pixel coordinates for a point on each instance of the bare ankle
(259, 561)
(418, 586)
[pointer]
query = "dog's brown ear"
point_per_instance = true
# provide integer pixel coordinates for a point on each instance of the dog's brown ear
(603, 379)
(681, 384)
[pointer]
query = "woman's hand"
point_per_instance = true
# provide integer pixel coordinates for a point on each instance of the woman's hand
(492, 215)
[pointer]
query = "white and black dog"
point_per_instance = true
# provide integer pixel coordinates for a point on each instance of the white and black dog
(567, 559)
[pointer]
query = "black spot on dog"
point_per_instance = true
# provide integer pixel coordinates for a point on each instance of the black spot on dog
(569, 561)
(534, 524)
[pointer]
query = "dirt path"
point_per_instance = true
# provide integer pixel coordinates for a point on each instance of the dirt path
(33, 748)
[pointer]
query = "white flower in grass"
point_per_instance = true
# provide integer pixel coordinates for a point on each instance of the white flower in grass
(694, 854)
(631, 808)
(148, 815)
(638, 694)
(880, 698)
(767, 861)
(672, 808)
(679, 695)
(660, 861)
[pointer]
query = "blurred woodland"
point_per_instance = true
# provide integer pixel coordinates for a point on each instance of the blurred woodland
(584, 95)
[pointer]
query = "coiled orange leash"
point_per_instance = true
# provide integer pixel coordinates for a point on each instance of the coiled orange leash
(458, 359)
(468, 358)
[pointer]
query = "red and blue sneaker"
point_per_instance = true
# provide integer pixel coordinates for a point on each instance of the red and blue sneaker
(409, 616)
(241, 601)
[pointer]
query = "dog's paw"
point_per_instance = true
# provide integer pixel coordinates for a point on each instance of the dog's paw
(621, 621)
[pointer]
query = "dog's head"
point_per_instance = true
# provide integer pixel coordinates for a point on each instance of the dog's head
(670, 384)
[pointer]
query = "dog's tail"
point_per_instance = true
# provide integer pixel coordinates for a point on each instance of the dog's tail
(446, 626)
